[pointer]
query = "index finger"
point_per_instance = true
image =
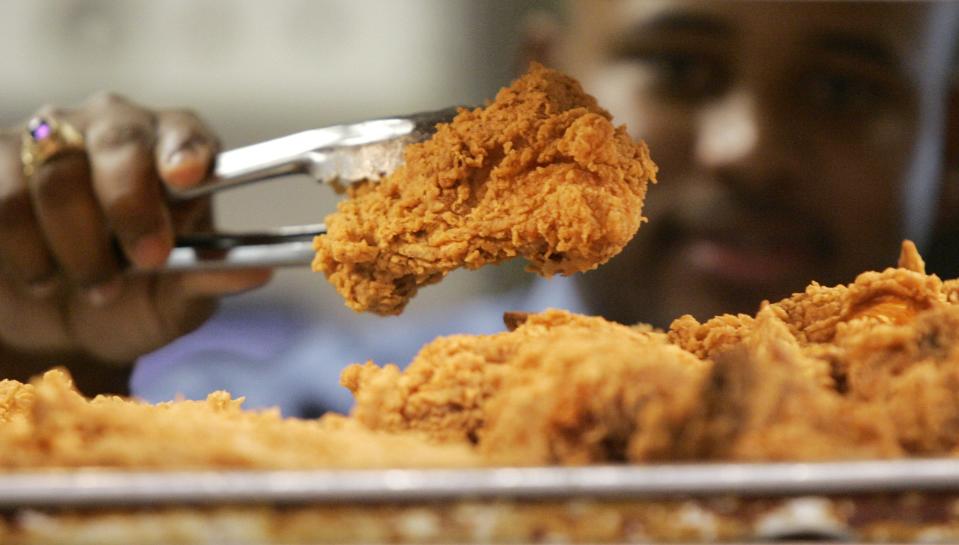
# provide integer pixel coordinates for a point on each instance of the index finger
(186, 148)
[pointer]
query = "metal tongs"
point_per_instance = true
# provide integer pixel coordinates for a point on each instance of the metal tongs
(340, 154)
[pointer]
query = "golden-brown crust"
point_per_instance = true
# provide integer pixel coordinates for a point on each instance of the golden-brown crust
(910, 259)
(445, 389)
(540, 172)
(864, 370)
(580, 398)
(48, 424)
(766, 399)
(707, 339)
(909, 373)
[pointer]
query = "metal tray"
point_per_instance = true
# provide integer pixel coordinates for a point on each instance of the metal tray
(900, 500)
(58, 488)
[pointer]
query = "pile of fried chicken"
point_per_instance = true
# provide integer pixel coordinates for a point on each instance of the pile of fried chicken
(864, 370)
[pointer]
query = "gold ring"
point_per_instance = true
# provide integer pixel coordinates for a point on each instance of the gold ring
(43, 139)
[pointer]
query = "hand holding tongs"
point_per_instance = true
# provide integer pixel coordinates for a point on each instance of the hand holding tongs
(343, 154)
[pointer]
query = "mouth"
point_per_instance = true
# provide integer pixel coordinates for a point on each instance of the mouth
(765, 254)
(745, 265)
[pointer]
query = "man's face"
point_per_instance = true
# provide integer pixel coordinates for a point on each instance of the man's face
(783, 132)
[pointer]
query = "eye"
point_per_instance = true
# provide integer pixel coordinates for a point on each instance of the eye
(844, 93)
(685, 76)
(679, 75)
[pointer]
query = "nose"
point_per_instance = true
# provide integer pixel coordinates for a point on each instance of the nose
(745, 140)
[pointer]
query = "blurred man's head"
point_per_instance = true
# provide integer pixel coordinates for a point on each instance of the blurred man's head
(784, 132)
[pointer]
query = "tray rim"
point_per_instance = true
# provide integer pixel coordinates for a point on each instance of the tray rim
(112, 487)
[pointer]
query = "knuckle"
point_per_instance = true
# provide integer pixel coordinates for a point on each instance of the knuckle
(51, 111)
(88, 269)
(187, 126)
(185, 114)
(90, 275)
(111, 135)
(55, 185)
(129, 209)
(102, 99)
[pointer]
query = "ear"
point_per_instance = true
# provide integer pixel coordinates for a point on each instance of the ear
(541, 33)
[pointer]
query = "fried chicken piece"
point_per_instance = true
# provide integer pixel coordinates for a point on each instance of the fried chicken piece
(815, 315)
(910, 372)
(884, 347)
(541, 172)
(824, 374)
(446, 388)
(892, 295)
(950, 289)
(910, 259)
(560, 388)
(441, 393)
(47, 423)
(582, 398)
(820, 317)
(765, 400)
(728, 332)
(708, 339)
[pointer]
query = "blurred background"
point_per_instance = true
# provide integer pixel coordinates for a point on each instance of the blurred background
(256, 70)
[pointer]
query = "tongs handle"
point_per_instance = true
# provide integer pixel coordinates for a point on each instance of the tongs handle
(225, 177)
(293, 154)
(350, 152)
(347, 153)
(282, 247)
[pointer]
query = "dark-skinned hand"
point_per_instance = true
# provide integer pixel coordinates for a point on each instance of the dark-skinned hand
(64, 289)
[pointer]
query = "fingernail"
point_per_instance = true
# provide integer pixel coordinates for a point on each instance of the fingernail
(42, 289)
(184, 168)
(150, 251)
(180, 156)
(105, 293)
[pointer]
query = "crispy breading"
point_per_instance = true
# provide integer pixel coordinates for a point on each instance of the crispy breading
(864, 370)
(541, 172)
(47, 423)
(582, 397)
(766, 399)
(442, 392)
(445, 389)
(895, 294)
(712, 337)
(815, 315)
(910, 372)
(884, 346)
(910, 259)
